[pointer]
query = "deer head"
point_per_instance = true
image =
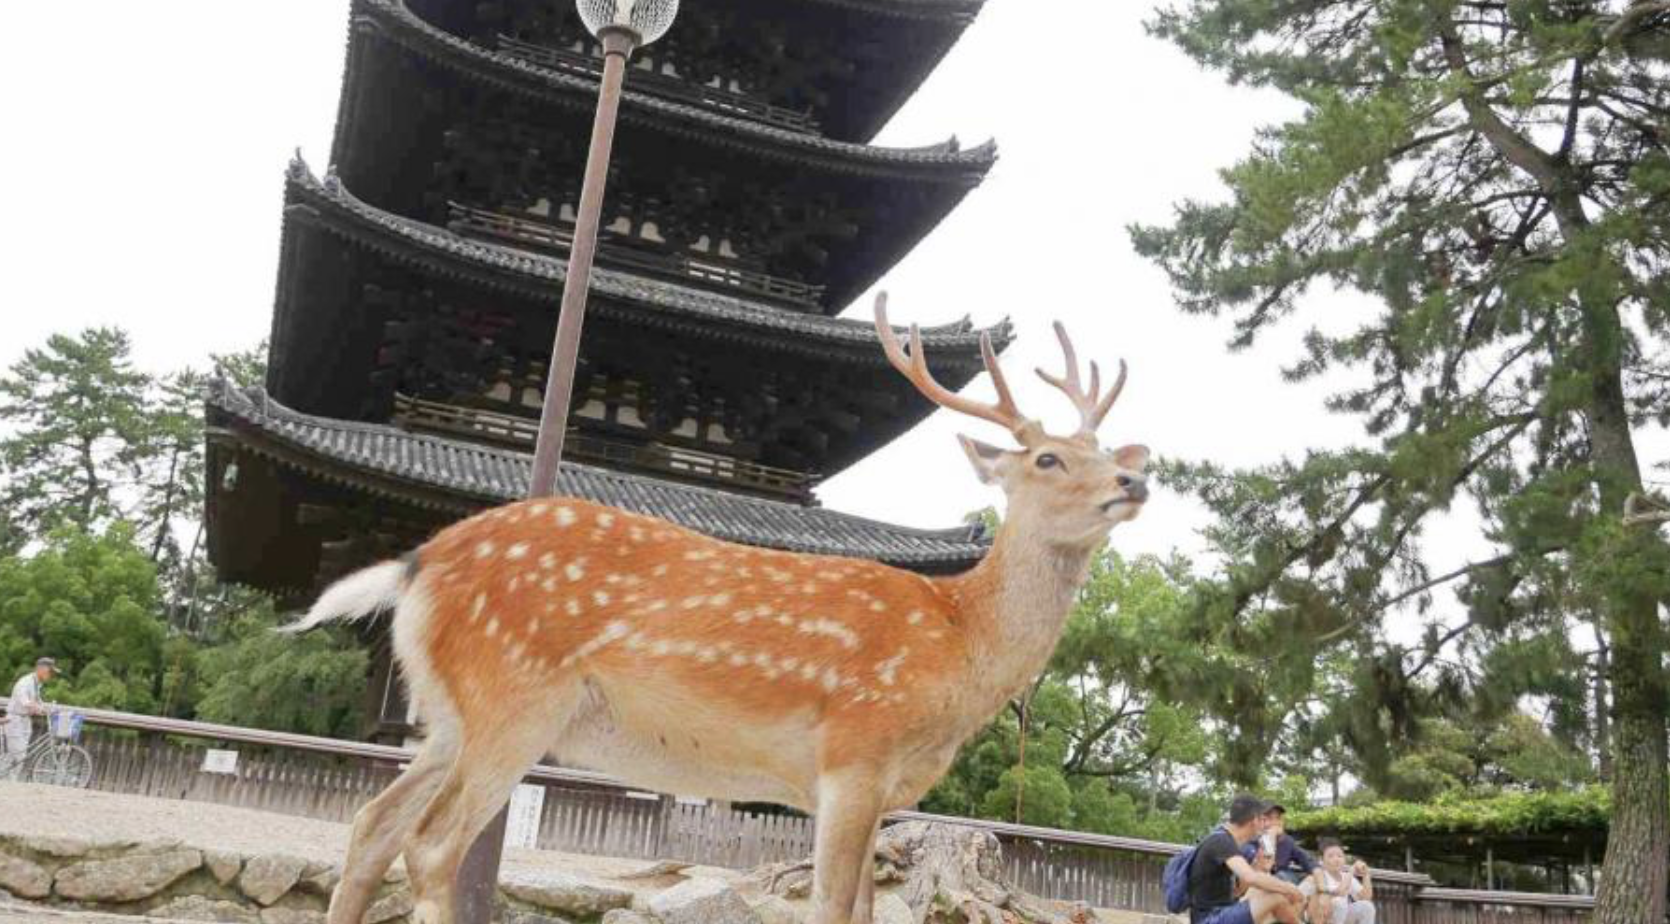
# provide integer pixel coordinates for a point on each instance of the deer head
(1066, 489)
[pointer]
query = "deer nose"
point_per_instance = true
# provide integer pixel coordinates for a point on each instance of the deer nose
(1136, 488)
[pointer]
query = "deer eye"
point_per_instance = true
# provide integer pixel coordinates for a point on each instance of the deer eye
(1048, 460)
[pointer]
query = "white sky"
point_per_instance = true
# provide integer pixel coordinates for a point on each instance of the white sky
(144, 145)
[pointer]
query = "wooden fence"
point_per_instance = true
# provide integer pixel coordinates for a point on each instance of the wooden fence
(590, 813)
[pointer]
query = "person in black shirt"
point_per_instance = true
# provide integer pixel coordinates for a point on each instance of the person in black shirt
(1218, 863)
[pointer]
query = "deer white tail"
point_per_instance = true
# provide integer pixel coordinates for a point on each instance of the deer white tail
(355, 597)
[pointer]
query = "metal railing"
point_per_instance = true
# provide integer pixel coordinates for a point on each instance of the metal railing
(596, 813)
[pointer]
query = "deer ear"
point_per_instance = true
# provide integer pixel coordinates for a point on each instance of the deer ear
(1134, 458)
(984, 456)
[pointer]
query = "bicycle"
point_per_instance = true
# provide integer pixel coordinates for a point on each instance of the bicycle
(54, 759)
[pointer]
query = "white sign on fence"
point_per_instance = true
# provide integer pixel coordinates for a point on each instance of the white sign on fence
(527, 803)
(220, 762)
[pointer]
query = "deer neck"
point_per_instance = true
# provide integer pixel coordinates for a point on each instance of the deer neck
(1014, 605)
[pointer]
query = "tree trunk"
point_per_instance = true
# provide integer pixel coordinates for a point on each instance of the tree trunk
(1603, 734)
(950, 875)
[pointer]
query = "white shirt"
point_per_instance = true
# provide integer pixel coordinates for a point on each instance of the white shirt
(26, 694)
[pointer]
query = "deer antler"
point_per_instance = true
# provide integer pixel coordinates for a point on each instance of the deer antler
(914, 366)
(1091, 409)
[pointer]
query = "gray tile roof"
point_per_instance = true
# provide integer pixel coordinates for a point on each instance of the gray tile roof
(395, 20)
(481, 474)
(539, 272)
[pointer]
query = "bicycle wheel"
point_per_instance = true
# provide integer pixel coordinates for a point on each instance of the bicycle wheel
(64, 765)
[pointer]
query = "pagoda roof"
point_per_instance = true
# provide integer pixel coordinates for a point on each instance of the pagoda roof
(326, 341)
(540, 276)
(885, 48)
(459, 477)
(405, 90)
(946, 161)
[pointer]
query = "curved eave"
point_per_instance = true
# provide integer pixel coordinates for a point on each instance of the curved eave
(940, 163)
(456, 478)
(539, 277)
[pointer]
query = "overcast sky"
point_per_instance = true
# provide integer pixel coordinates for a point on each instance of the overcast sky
(144, 147)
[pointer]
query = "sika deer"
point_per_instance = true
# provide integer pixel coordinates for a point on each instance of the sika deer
(628, 645)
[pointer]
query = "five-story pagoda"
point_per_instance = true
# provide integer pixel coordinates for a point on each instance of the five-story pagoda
(419, 280)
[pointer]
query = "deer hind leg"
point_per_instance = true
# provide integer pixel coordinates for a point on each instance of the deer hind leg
(864, 908)
(492, 758)
(381, 827)
(848, 812)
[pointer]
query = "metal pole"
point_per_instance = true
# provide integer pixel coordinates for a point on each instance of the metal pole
(559, 383)
(478, 874)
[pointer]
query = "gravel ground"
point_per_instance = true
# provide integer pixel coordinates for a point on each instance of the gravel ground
(27, 809)
(34, 914)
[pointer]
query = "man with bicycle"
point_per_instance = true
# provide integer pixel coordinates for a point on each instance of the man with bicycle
(26, 703)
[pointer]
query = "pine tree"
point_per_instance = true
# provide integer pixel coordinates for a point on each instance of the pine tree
(79, 430)
(1496, 176)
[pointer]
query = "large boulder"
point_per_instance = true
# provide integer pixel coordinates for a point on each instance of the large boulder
(563, 893)
(23, 878)
(702, 901)
(62, 848)
(773, 909)
(267, 878)
(126, 879)
(223, 865)
(203, 908)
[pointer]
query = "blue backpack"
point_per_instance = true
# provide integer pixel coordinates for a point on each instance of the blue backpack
(1174, 881)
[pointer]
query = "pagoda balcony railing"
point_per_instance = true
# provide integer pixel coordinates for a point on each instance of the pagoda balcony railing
(543, 236)
(517, 432)
(727, 102)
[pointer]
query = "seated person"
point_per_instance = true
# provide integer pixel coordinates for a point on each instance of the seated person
(1261, 861)
(1218, 863)
(1339, 894)
(1291, 861)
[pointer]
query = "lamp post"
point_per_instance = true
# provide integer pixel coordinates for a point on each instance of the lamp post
(622, 26)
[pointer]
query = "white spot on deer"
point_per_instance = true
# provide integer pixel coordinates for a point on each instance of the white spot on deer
(516, 551)
(808, 588)
(659, 571)
(722, 599)
(789, 664)
(515, 582)
(564, 516)
(600, 597)
(690, 603)
(738, 659)
(809, 671)
(548, 561)
(483, 549)
(743, 617)
(573, 571)
(831, 628)
(614, 631)
(744, 573)
(655, 606)
(661, 648)
(635, 533)
(572, 607)
(915, 618)
(538, 510)
(605, 520)
(784, 619)
(635, 641)
(778, 575)
(831, 680)
(480, 604)
(707, 654)
(935, 634)
(887, 671)
(699, 555)
(549, 585)
(876, 606)
(761, 659)
(492, 627)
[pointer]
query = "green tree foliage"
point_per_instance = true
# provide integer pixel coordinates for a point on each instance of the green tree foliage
(313, 684)
(1502, 814)
(92, 602)
(1496, 176)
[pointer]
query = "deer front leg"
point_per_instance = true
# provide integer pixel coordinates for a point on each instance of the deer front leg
(848, 813)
